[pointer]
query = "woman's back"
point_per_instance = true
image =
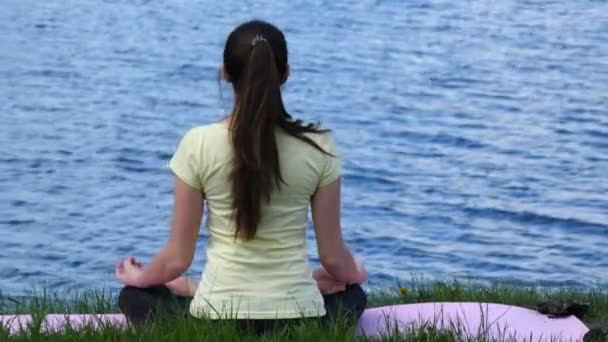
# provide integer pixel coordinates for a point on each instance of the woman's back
(270, 273)
(258, 172)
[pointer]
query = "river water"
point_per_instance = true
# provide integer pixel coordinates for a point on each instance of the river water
(474, 133)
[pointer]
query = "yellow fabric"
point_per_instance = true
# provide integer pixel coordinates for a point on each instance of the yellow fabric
(268, 277)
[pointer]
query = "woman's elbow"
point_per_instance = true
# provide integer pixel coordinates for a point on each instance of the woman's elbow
(182, 267)
(178, 260)
(179, 264)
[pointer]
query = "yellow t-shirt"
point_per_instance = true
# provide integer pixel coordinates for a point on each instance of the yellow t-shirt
(268, 277)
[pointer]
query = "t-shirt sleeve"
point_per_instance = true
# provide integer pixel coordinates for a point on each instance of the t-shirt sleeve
(331, 164)
(186, 163)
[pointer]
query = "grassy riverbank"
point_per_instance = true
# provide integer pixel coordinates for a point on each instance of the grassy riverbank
(187, 330)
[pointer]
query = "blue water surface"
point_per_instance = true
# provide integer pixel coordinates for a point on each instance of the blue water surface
(474, 133)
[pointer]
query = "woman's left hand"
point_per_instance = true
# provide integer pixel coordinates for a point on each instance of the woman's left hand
(129, 272)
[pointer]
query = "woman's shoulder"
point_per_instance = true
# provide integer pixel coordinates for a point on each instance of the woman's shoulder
(206, 130)
(314, 130)
(203, 137)
(316, 137)
(322, 136)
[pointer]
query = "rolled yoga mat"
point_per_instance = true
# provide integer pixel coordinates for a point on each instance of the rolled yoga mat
(58, 322)
(491, 321)
(477, 320)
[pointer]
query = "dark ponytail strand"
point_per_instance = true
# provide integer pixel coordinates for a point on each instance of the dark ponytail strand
(256, 172)
(255, 59)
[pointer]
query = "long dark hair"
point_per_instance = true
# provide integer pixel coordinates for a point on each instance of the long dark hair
(255, 61)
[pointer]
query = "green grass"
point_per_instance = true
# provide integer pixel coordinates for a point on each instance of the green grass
(198, 330)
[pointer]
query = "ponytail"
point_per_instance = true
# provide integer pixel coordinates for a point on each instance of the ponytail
(259, 108)
(257, 68)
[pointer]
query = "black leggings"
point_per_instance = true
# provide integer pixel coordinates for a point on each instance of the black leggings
(140, 305)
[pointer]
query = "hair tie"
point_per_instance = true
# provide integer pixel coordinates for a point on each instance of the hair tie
(258, 38)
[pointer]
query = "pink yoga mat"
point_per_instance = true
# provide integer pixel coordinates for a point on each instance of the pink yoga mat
(14, 323)
(57, 322)
(493, 321)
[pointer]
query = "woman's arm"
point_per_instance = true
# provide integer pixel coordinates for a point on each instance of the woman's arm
(183, 286)
(175, 258)
(335, 256)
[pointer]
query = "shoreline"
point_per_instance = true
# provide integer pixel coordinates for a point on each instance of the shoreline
(528, 297)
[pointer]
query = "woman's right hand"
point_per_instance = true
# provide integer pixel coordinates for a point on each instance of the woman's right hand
(327, 284)
(363, 275)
